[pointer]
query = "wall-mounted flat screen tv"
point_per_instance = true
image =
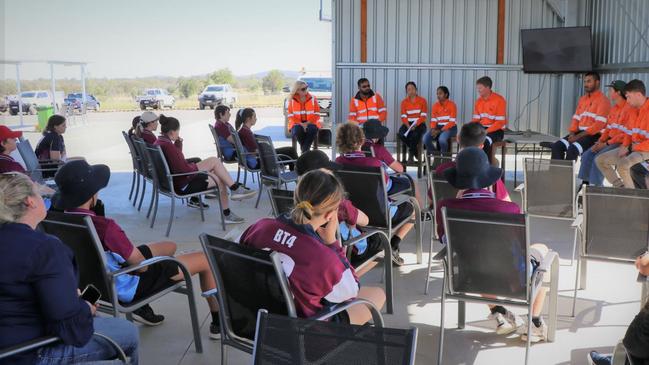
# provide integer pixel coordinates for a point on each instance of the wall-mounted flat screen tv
(557, 50)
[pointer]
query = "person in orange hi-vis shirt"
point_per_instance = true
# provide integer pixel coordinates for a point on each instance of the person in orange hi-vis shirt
(443, 125)
(587, 123)
(303, 115)
(366, 104)
(414, 111)
(621, 114)
(616, 164)
(490, 111)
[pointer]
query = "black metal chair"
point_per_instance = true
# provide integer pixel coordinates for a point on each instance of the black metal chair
(367, 191)
(135, 160)
(614, 228)
(219, 149)
(282, 340)
(37, 343)
(498, 267)
(163, 184)
(78, 233)
(33, 164)
(242, 155)
(248, 280)
(145, 171)
(281, 201)
(272, 169)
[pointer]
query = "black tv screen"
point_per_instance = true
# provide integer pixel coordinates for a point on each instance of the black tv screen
(557, 50)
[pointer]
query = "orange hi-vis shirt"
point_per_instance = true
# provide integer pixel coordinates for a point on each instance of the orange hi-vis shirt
(373, 108)
(617, 122)
(640, 137)
(491, 112)
(443, 115)
(591, 113)
(414, 110)
(299, 112)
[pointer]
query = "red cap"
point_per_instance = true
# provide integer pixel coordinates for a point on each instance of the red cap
(6, 133)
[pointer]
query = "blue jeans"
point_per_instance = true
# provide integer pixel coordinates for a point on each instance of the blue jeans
(442, 140)
(588, 170)
(304, 137)
(123, 332)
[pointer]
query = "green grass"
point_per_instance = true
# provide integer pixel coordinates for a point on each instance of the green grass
(246, 99)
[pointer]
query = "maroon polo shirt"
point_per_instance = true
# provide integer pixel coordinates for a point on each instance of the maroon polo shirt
(380, 152)
(481, 200)
(110, 234)
(347, 212)
(222, 129)
(247, 139)
(177, 162)
(148, 136)
(358, 158)
(8, 164)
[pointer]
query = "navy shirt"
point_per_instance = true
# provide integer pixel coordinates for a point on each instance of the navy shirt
(51, 141)
(38, 289)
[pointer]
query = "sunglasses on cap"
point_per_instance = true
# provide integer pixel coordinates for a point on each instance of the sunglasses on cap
(304, 88)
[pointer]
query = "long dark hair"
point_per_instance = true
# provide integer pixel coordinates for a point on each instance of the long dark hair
(220, 110)
(134, 123)
(168, 124)
(54, 121)
(242, 116)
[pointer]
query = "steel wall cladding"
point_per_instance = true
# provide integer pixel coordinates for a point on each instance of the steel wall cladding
(453, 42)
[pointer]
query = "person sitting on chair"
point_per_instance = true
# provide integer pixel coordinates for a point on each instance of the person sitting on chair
(216, 172)
(246, 119)
(224, 131)
(491, 112)
(79, 185)
(473, 175)
(350, 219)
(303, 115)
(314, 261)
(414, 112)
(38, 282)
(7, 146)
(443, 125)
(349, 139)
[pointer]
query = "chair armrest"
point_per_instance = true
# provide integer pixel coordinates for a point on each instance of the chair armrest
(520, 187)
(190, 173)
(355, 240)
(376, 314)
(441, 255)
(209, 293)
(120, 353)
(399, 199)
(578, 221)
(28, 346)
(144, 264)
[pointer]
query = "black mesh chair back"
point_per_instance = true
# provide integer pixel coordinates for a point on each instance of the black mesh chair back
(366, 189)
(282, 340)
(32, 166)
(549, 188)
(442, 189)
(248, 280)
(140, 147)
(437, 158)
(78, 233)
(135, 158)
(159, 168)
(616, 223)
(267, 157)
(487, 253)
(281, 201)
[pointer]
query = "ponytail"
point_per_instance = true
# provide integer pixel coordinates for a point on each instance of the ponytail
(318, 192)
(168, 124)
(242, 117)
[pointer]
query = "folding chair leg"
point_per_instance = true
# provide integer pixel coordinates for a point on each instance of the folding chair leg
(200, 202)
(137, 189)
(245, 177)
(221, 211)
(130, 194)
(155, 207)
(198, 344)
(529, 332)
(461, 314)
(419, 233)
(139, 207)
(224, 354)
(154, 190)
(389, 280)
(261, 187)
(430, 264)
(574, 246)
(440, 348)
(583, 270)
(239, 174)
(171, 215)
(553, 300)
(574, 295)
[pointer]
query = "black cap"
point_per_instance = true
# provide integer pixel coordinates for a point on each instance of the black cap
(618, 85)
(373, 128)
(313, 160)
(78, 182)
(472, 170)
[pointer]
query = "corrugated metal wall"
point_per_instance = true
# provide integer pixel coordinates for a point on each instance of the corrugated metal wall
(444, 42)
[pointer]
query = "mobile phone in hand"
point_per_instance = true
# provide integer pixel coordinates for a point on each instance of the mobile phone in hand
(91, 294)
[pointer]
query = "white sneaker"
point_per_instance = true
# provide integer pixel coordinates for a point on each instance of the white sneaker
(242, 193)
(506, 323)
(537, 334)
(233, 218)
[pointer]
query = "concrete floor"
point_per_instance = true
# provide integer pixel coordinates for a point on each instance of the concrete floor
(604, 309)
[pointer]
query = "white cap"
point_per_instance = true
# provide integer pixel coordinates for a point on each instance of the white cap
(148, 117)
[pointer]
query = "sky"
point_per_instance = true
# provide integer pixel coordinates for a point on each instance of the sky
(141, 38)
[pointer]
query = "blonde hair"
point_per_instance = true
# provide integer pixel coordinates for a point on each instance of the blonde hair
(348, 137)
(14, 189)
(318, 192)
(296, 86)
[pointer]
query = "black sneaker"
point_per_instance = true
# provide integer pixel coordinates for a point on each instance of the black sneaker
(396, 259)
(195, 203)
(215, 331)
(146, 316)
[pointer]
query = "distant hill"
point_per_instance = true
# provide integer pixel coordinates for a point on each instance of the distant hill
(288, 74)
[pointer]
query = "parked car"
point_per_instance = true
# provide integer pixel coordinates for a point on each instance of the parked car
(320, 87)
(34, 99)
(156, 99)
(74, 101)
(4, 104)
(214, 95)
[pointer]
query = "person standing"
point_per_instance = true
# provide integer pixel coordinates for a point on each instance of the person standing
(366, 104)
(587, 123)
(491, 112)
(443, 125)
(303, 115)
(413, 118)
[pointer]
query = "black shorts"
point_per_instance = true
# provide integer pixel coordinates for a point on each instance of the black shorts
(399, 184)
(342, 317)
(404, 211)
(195, 185)
(156, 278)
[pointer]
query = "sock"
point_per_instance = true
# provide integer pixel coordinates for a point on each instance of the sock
(536, 321)
(226, 212)
(394, 242)
(215, 318)
(499, 309)
(234, 186)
